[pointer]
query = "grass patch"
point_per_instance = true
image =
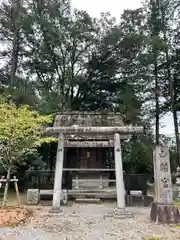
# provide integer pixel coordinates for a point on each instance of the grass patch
(152, 238)
(175, 187)
(177, 203)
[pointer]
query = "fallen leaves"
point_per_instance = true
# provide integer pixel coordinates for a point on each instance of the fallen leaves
(13, 216)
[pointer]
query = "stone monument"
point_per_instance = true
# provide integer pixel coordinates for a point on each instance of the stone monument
(162, 209)
(178, 182)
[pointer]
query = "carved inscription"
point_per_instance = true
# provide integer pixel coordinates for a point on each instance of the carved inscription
(88, 119)
(165, 182)
(164, 166)
(42, 180)
(162, 176)
(162, 152)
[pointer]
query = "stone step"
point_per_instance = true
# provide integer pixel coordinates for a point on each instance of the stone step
(88, 200)
(92, 190)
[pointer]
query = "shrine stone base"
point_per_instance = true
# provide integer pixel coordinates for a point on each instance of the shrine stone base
(57, 211)
(164, 213)
(122, 213)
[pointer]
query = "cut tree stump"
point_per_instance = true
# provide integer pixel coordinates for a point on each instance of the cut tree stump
(165, 213)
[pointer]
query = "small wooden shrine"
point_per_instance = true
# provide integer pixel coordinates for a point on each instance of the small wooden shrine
(88, 143)
(86, 154)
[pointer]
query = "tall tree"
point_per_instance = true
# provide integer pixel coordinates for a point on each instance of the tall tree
(112, 66)
(14, 83)
(168, 12)
(57, 55)
(154, 31)
(11, 14)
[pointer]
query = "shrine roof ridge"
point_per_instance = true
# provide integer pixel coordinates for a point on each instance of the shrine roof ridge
(86, 119)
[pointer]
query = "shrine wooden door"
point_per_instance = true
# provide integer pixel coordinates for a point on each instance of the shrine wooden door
(88, 158)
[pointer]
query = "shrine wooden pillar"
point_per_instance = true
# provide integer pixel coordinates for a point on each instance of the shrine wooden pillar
(56, 207)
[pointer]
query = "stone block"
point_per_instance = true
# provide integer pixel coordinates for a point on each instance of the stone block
(45, 193)
(122, 213)
(134, 200)
(32, 196)
(165, 213)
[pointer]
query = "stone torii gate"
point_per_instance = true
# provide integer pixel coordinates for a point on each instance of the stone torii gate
(118, 133)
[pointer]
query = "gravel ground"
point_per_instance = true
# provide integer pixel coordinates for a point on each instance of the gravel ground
(90, 222)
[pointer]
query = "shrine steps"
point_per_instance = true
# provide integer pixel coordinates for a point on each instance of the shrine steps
(92, 193)
(109, 193)
(98, 195)
(88, 200)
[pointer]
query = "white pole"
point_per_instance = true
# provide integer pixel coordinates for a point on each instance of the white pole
(119, 172)
(58, 175)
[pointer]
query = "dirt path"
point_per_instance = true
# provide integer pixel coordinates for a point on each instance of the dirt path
(94, 222)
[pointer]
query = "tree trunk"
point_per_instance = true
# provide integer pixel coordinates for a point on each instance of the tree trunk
(6, 187)
(176, 129)
(171, 92)
(157, 102)
(173, 107)
(155, 31)
(14, 58)
(15, 44)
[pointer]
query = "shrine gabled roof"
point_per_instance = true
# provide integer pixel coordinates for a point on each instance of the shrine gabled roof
(88, 119)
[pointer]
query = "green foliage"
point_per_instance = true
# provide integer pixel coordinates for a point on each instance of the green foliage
(31, 158)
(21, 129)
(177, 202)
(137, 154)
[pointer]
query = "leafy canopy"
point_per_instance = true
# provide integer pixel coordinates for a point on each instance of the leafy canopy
(21, 129)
